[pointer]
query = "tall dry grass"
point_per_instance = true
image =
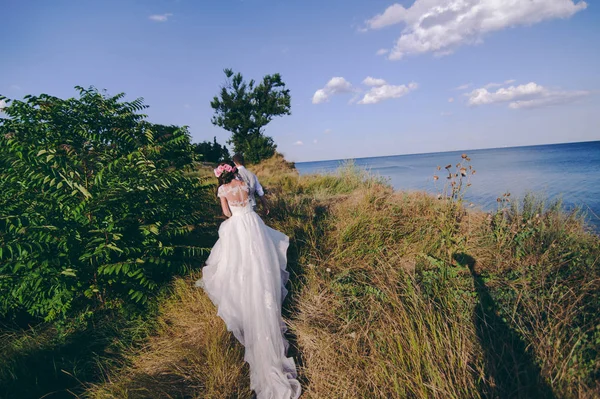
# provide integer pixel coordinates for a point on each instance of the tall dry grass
(399, 295)
(366, 326)
(191, 355)
(542, 266)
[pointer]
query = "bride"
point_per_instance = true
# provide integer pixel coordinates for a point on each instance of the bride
(245, 278)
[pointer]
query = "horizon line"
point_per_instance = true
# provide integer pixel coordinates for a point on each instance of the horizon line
(445, 152)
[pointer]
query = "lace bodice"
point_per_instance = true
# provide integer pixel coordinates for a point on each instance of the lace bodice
(236, 194)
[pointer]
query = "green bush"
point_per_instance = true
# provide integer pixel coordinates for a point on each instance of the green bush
(210, 152)
(95, 211)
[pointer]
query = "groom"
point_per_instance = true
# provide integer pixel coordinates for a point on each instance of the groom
(251, 180)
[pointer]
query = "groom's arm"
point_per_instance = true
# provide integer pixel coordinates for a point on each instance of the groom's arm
(261, 195)
(265, 206)
(258, 189)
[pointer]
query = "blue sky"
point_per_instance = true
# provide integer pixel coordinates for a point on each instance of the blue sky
(444, 74)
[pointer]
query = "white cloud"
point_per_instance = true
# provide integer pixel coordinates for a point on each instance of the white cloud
(319, 97)
(463, 87)
(482, 96)
(2, 105)
(382, 51)
(441, 26)
(380, 90)
(355, 97)
(386, 92)
(336, 85)
(298, 143)
(315, 141)
(530, 95)
(369, 81)
(160, 17)
(392, 15)
(506, 82)
(451, 100)
(492, 85)
(550, 98)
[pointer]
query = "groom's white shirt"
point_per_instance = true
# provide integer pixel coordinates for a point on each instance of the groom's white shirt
(254, 186)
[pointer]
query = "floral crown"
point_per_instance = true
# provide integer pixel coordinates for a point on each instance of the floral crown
(224, 168)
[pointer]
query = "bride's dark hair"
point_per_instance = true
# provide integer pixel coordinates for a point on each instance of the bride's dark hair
(228, 172)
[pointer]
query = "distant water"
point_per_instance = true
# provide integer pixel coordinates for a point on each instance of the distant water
(570, 172)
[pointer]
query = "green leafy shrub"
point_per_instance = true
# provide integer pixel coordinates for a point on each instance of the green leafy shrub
(95, 211)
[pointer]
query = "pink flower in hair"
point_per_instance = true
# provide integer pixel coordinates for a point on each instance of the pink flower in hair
(224, 168)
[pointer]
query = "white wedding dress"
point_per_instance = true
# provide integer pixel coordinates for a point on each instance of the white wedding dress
(245, 277)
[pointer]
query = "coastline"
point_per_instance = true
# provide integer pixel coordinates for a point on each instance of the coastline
(562, 173)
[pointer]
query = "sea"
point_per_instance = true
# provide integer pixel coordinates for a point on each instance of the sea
(567, 172)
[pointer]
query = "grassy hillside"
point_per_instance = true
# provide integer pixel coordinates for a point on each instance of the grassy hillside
(399, 295)
(394, 295)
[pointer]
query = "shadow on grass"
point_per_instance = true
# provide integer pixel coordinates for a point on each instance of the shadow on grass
(511, 371)
(53, 367)
(42, 362)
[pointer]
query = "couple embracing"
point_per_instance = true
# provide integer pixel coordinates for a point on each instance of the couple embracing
(245, 277)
